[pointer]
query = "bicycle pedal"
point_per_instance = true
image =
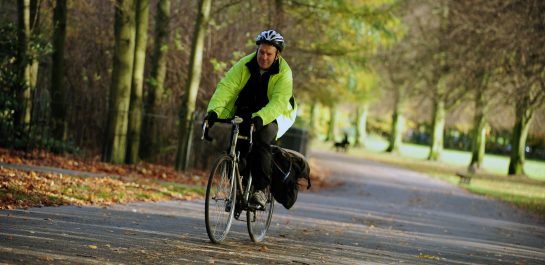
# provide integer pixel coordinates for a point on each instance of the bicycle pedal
(256, 207)
(237, 214)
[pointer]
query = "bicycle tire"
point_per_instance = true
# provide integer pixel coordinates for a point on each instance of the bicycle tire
(259, 221)
(220, 192)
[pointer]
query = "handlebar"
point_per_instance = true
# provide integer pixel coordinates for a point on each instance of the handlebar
(234, 121)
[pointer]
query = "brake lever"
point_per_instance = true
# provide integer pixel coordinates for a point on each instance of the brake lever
(205, 135)
(252, 127)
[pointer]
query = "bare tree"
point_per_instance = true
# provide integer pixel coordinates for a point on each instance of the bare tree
(331, 123)
(437, 59)
(120, 91)
(360, 122)
(524, 64)
(396, 67)
(187, 111)
(479, 58)
(58, 93)
(27, 13)
(136, 106)
(151, 132)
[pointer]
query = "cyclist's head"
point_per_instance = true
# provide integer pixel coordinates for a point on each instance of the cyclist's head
(269, 44)
(270, 37)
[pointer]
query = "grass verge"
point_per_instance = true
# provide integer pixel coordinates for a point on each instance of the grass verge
(526, 192)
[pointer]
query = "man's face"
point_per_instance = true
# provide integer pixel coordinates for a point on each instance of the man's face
(266, 54)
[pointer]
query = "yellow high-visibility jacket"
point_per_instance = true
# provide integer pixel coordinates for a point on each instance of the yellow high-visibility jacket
(279, 93)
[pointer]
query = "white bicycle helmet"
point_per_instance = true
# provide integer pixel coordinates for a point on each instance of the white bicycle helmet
(270, 37)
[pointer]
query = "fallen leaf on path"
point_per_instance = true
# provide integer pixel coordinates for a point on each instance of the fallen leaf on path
(426, 256)
(47, 258)
(92, 246)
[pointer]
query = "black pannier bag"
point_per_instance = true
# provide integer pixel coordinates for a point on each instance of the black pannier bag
(288, 168)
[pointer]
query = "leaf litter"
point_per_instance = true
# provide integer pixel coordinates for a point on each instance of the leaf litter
(117, 183)
(141, 182)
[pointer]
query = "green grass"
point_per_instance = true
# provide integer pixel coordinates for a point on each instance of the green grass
(524, 192)
(494, 164)
(183, 188)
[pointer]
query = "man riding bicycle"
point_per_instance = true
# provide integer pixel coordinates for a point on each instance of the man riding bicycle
(258, 88)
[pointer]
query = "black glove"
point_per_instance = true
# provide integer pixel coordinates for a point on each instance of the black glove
(211, 117)
(257, 122)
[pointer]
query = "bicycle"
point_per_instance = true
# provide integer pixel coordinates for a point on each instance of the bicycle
(228, 193)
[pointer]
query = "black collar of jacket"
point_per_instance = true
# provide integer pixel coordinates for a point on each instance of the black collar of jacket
(254, 67)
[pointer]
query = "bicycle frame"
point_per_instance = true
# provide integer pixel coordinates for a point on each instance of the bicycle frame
(235, 136)
(258, 217)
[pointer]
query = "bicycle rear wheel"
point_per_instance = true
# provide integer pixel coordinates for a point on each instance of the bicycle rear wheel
(259, 220)
(220, 199)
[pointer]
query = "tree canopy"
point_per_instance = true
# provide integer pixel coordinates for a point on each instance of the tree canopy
(433, 62)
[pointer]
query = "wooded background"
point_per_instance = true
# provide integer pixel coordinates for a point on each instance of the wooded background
(130, 79)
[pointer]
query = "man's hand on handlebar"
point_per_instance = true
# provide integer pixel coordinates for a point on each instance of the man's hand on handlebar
(205, 127)
(257, 123)
(211, 117)
(207, 123)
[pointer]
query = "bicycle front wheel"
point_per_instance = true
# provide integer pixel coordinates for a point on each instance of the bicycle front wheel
(220, 199)
(259, 220)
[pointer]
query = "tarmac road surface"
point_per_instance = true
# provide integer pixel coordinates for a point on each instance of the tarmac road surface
(379, 215)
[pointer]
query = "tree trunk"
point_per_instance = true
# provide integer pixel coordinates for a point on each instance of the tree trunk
(398, 123)
(135, 109)
(395, 138)
(361, 124)
(27, 67)
(34, 52)
(188, 101)
(314, 110)
(120, 91)
(58, 91)
(479, 132)
(151, 137)
(438, 127)
(523, 118)
(331, 125)
(278, 20)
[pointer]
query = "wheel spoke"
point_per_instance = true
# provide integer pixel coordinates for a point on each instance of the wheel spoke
(219, 193)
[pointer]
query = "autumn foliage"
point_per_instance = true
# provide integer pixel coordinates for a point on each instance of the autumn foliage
(53, 180)
(98, 184)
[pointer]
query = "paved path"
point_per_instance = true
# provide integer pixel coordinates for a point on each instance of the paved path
(380, 215)
(46, 169)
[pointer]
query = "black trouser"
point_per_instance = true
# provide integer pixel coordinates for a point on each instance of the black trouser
(259, 158)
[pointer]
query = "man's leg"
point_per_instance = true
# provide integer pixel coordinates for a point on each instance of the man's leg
(261, 164)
